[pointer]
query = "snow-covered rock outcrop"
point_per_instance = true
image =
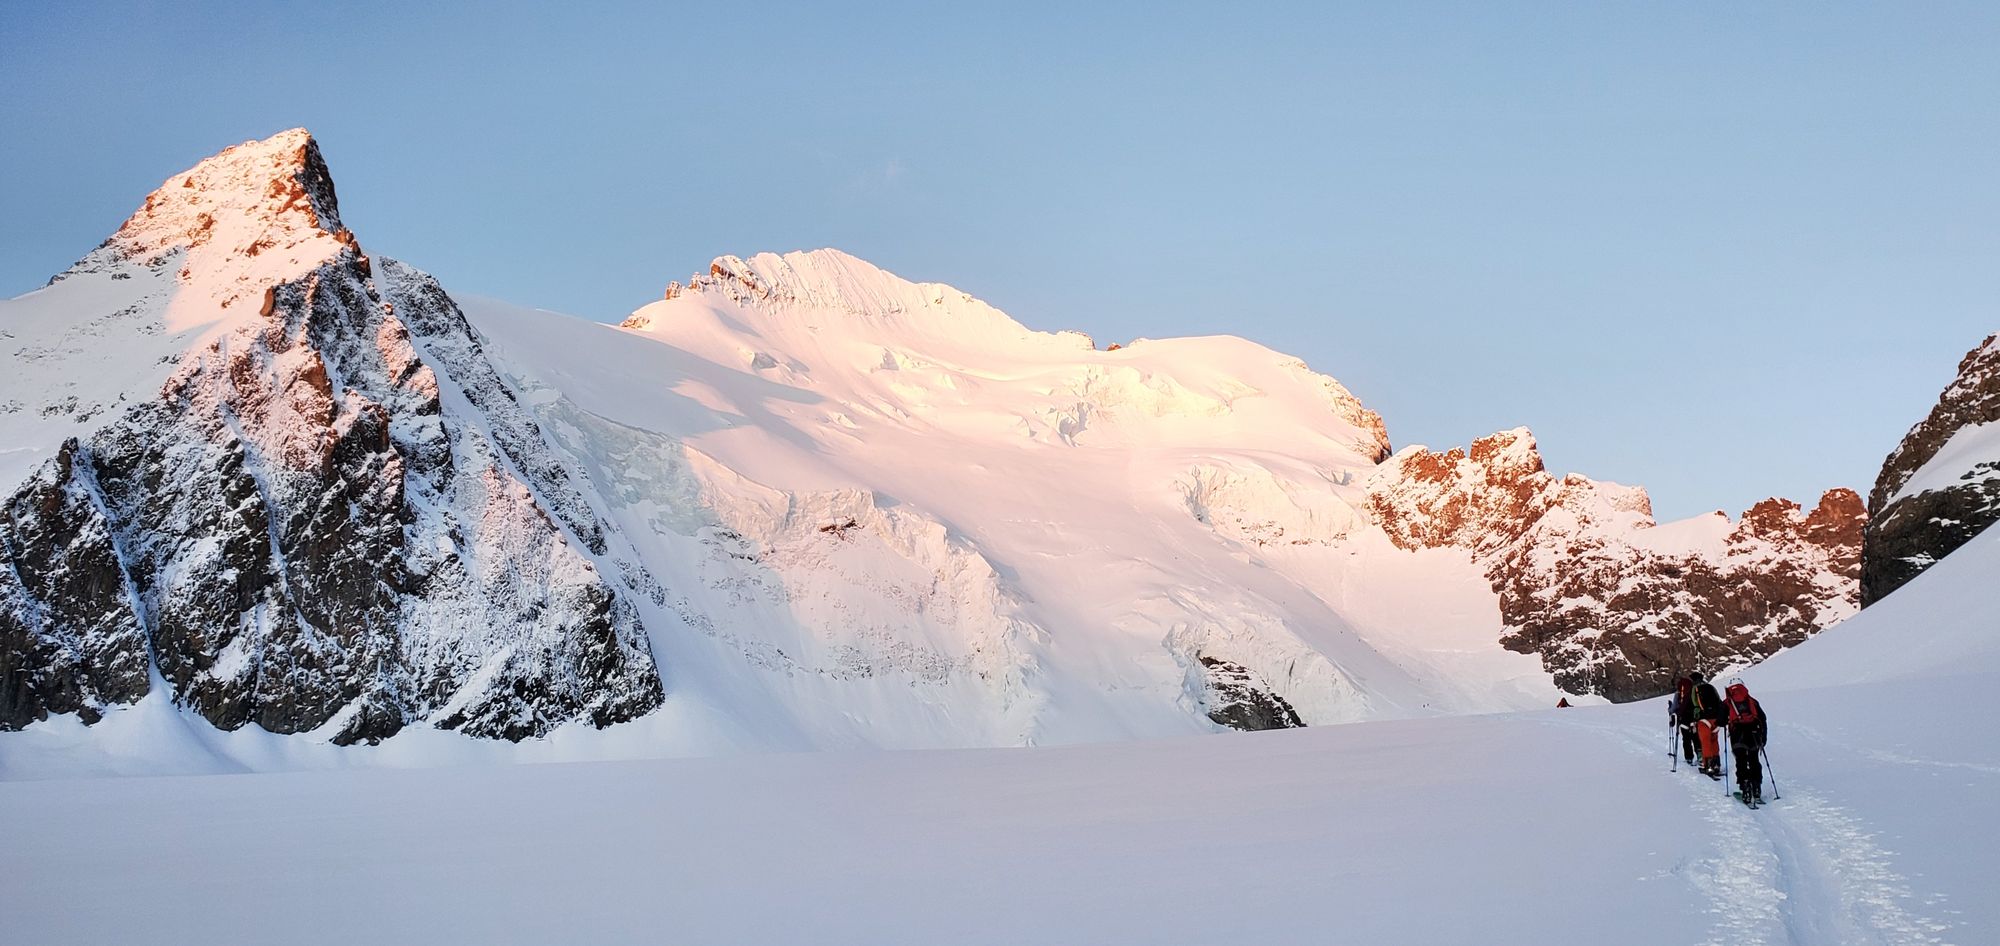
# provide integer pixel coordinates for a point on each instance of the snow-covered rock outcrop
(1941, 485)
(1612, 602)
(327, 516)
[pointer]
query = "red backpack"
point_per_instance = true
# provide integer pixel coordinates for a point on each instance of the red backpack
(1743, 707)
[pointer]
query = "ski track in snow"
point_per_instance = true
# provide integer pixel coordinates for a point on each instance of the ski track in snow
(1802, 871)
(1820, 842)
(1744, 884)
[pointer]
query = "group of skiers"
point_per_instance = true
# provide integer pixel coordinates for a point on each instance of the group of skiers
(1699, 713)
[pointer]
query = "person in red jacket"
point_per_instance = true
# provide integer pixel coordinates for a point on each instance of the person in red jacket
(1709, 714)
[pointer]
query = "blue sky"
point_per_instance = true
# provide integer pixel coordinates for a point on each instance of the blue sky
(1722, 250)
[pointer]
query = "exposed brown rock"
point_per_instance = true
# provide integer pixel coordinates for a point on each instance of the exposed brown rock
(1608, 614)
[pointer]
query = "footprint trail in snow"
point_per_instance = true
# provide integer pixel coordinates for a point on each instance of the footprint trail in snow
(1801, 871)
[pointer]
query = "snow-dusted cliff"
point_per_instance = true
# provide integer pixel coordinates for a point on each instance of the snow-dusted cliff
(1941, 485)
(798, 502)
(309, 506)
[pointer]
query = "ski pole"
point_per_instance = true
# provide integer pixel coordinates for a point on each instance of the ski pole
(1673, 758)
(1770, 772)
(1724, 761)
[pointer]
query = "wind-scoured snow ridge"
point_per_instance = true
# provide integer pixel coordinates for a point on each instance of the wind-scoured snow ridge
(829, 287)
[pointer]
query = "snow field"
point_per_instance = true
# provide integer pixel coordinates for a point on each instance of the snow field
(1557, 825)
(1548, 826)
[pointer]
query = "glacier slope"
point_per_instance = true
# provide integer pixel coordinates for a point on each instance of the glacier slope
(1127, 512)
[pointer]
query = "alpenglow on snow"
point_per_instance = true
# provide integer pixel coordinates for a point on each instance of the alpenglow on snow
(798, 502)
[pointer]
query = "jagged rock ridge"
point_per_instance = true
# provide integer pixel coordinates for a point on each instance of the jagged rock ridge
(302, 528)
(1612, 602)
(1941, 485)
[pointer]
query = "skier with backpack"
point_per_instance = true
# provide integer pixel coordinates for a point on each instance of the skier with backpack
(1709, 715)
(1748, 727)
(1680, 715)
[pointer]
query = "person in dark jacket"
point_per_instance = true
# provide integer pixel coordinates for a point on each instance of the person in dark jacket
(1680, 714)
(1748, 727)
(1709, 714)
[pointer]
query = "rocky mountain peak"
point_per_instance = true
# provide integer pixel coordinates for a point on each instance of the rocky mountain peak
(1941, 485)
(246, 199)
(1485, 496)
(1972, 398)
(1840, 512)
(230, 227)
(826, 276)
(823, 278)
(298, 530)
(1772, 515)
(827, 290)
(1508, 455)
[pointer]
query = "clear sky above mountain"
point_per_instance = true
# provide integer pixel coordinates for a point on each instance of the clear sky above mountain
(1721, 251)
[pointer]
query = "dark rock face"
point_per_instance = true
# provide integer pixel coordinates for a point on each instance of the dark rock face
(305, 537)
(1237, 699)
(271, 585)
(1607, 612)
(1908, 531)
(69, 641)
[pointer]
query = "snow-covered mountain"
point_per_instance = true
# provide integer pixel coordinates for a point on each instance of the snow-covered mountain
(1941, 485)
(281, 482)
(799, 501)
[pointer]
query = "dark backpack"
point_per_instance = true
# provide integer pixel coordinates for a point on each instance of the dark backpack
(1708, 704)
(1743, 708)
